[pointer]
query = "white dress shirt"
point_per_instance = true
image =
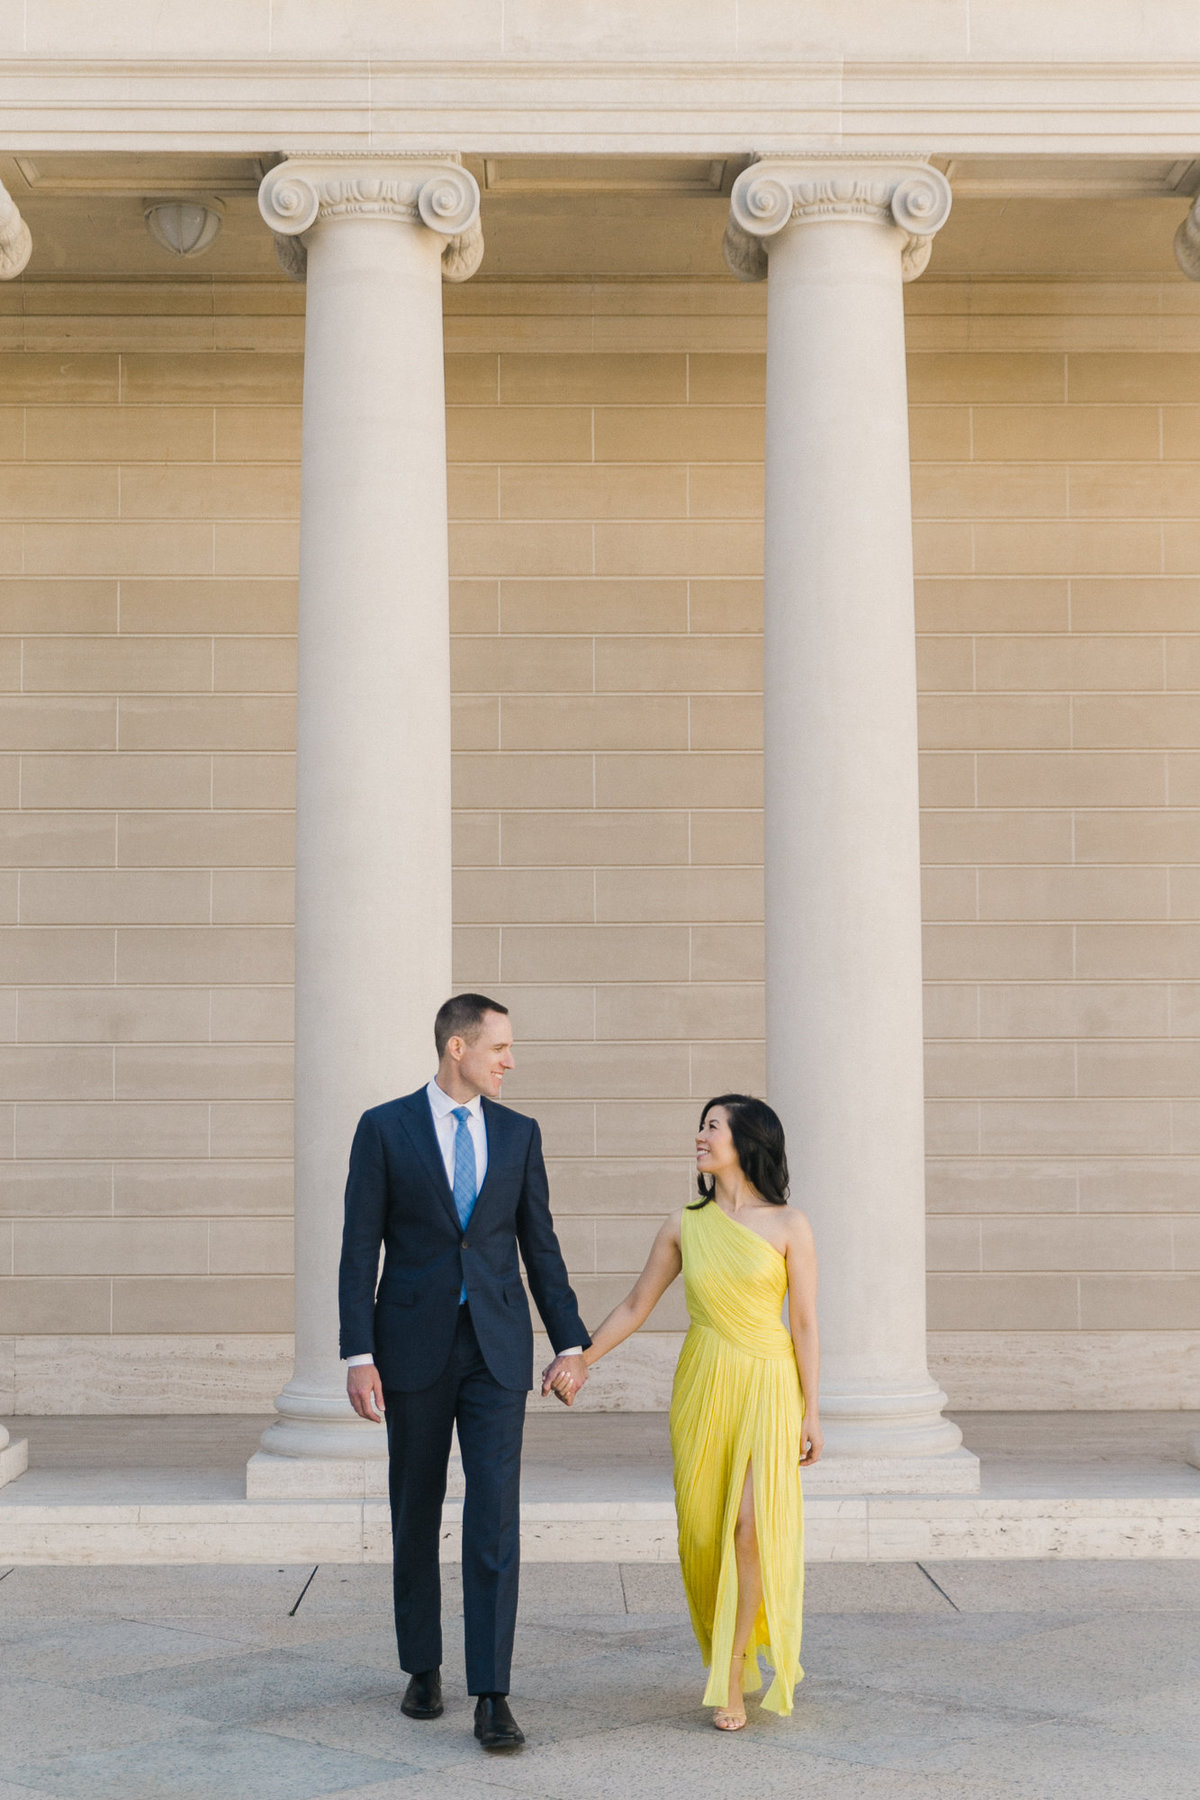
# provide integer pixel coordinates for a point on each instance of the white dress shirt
(445, 1127)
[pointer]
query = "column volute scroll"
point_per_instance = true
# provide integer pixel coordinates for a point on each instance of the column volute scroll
(775, 192)
(430, 190)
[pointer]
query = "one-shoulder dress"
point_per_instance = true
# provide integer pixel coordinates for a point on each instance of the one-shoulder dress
(737, 1402)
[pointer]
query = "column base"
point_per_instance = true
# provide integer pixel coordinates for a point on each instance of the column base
(956, 1472)
(14, 1457)
(329, 1459)
(329, 1478)
(890, 1437)
(318, 1448)
(315, 1477)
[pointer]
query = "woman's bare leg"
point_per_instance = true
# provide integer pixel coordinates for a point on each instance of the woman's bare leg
(732, 1715)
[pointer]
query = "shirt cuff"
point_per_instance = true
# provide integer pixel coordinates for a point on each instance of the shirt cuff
(358, 1362)
(575, 1350)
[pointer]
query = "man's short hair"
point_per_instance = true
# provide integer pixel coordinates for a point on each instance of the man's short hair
(462, 1016)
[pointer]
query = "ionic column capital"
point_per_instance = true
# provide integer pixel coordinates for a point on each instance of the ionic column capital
(16, 245)
(431, 191)
(776, 192)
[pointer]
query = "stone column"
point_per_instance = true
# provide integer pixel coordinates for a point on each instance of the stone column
(375, 236)
(16, 247)
(843, 905)
(1187, 255)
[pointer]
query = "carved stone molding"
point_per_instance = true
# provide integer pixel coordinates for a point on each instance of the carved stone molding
(434, 191)
(775, 192)
(1187, 244)
(16, 245)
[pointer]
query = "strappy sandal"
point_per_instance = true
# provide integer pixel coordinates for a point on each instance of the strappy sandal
(724, 1720)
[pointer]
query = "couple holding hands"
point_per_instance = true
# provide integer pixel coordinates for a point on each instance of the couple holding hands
(450, 1186)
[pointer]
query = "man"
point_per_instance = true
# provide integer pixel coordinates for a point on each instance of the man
(451, 1185)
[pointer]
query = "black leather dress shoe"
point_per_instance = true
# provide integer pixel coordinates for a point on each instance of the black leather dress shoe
(495, 1726)
(423, 1695)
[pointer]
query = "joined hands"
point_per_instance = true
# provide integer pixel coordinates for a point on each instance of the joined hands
(564, 1377)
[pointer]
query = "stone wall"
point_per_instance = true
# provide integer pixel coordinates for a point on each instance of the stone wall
(606, 498)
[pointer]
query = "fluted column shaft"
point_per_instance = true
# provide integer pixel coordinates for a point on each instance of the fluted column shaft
(843, 911)
(373, 912)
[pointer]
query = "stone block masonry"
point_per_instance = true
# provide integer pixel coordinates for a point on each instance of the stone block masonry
(605, 452)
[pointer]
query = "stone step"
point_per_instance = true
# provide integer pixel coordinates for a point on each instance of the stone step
(838, 1528)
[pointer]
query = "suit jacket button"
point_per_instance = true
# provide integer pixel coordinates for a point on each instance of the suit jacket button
(465, 1244)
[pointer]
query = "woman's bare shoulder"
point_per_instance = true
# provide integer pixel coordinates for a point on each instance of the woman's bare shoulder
(799, 1231)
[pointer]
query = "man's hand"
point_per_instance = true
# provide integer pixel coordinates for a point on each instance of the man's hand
(564, 1377)
(366, 1392)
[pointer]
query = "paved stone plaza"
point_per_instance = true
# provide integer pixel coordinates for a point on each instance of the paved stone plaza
(957, 1681)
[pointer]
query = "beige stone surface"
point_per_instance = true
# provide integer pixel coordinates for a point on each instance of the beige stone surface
(147, 1373)
(1048, 1371)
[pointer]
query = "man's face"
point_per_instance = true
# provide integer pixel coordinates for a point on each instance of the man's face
(486, 1058)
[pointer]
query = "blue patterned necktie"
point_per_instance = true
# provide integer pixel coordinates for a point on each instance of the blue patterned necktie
(464, 1175)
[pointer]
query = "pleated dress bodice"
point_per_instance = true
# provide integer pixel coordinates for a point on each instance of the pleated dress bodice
(735, 1283)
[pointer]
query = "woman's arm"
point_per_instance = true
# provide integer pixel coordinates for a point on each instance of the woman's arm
(802, 1319)
(662, 1266)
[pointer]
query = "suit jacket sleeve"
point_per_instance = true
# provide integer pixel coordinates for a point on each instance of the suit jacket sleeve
(362, 1236)
(544, 1264)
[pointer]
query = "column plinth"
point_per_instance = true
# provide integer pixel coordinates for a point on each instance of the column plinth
(373, 909)
(843, 909)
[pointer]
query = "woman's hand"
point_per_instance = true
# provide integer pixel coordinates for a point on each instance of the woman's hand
(812, 1442)
(564, 1377)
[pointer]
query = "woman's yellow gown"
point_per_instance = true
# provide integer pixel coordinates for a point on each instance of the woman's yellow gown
(737, 1403)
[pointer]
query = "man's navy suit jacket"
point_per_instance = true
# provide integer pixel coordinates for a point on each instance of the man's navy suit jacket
(397, 1196)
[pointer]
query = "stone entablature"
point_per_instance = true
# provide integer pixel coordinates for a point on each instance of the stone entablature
(636, 98)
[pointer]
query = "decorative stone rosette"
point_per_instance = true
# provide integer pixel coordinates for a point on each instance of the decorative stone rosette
(16, 245)
(435, 191)
(778, 191)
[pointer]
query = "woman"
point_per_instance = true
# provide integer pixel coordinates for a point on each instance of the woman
(744, 1404)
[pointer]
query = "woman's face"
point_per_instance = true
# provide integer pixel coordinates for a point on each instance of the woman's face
(715, 1153)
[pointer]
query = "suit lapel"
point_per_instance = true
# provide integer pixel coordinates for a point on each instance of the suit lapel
(499, 1126)
(418, 1122)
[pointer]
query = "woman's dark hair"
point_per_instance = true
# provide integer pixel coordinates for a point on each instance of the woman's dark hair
(758, 1139)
